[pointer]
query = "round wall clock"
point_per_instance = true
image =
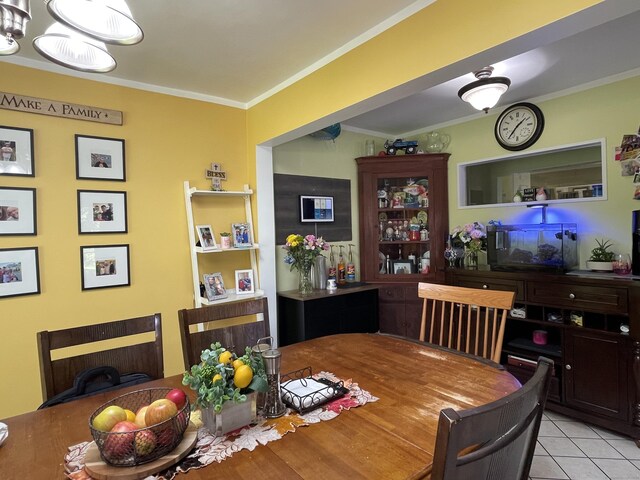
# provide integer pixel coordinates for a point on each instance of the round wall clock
(519, 126)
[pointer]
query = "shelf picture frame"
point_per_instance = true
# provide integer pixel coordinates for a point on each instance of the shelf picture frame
(16, 151)
(17, 211)
(214, 286)
(242, 237)
(19, 270)
(102, 211)
(105, 266)
(402, 267)
(206, 237)
(100, 158)
(244, 283)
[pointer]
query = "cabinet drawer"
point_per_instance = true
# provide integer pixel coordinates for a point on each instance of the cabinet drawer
(493, 284)
(582, 297)
(391, 294)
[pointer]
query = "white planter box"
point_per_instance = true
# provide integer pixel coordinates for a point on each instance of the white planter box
(232, 416)
(600, 266)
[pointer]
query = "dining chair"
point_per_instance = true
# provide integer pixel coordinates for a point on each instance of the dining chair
(470, 320)
(137, 356)
(494, 441)
(235, 325)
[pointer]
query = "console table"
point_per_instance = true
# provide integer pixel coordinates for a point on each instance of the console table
(345, 310)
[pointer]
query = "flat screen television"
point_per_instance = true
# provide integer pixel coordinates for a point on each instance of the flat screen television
(314, 208)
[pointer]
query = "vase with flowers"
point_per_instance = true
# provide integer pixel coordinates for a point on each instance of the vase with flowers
(473, 239)
(301, 254)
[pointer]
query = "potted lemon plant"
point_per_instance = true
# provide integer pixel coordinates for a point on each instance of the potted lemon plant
(226, 387)
(601, 259)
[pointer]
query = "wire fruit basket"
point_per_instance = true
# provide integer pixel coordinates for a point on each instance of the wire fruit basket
(136, 447)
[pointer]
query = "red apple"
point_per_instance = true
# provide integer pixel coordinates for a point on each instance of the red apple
(178, 397)
(159, 411)
(119, 442)
(166, 437)
(145, 442)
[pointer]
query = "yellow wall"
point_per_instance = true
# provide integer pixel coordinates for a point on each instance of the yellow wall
(168, 140)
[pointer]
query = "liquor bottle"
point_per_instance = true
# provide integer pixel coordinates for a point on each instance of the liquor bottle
(351, 267)
(341, 268)
(332, 266)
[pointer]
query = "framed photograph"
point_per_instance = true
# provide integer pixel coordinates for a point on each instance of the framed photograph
(19, 272)
(244, 282)
(402, 266)
(241, 235)
(99, 158)
(101, 211)
(16, 151)
(214, 286)
(17, 211)
(105, 266)
(205, 235)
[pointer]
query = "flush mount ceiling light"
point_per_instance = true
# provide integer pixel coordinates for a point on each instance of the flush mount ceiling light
(485, 92)
(107, 20)
(14, 15)
(71, 49)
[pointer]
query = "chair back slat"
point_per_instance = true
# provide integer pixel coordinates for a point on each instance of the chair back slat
(494, 441)
(468, 319)
(142, 357)
(235, 337)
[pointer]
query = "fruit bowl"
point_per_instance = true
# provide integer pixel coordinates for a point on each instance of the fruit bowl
(142, 445)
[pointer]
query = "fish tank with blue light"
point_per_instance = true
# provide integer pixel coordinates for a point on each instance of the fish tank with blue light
(545, 247)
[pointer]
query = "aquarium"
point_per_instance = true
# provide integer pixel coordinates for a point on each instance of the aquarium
(542, 247)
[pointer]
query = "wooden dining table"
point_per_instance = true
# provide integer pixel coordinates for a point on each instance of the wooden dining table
(393, 437)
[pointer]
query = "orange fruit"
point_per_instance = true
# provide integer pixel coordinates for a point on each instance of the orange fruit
(237, 363)
(216, 377)
(243, 376)
(225, 357)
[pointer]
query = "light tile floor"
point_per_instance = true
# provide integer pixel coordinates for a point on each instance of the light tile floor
(568, 449)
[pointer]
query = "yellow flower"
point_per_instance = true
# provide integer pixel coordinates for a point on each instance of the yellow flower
(291, 238)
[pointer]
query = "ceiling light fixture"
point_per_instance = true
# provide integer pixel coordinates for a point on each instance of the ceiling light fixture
(485, 92)
(78, 41)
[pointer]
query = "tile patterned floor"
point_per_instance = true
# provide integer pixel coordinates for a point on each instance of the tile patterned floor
(568, 449)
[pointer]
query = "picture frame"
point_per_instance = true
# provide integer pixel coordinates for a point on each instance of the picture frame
(16, 151)
(19, 269)
(100, 158)
(244, 283)
(102, 211)
(17, 211)
(206, 237)
(242, 237)
(214, 286)
(105, 266)
(402, 266)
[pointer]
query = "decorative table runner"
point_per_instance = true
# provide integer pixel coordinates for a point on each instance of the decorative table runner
(211, 449)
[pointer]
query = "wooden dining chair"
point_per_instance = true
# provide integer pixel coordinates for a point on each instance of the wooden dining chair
(235, 325)
(494, 441)
(470, 320)
(136, 357)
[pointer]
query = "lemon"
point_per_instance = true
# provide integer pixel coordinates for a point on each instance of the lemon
(243, 376)
(225, 357)
(216, 377)
(131, 417)
(237, 363)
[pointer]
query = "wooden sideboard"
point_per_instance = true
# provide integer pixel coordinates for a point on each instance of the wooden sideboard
(597, 365)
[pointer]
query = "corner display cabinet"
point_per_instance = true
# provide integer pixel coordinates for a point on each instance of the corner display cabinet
(589, 325)
(403, 229)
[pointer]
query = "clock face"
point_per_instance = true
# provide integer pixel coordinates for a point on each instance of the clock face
(519, 126)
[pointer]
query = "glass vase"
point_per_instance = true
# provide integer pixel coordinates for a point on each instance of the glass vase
(305, 286)
(471, 259)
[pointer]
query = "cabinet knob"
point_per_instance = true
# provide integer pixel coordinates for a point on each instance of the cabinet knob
(485, 286)
(572, 296)
(568, 367)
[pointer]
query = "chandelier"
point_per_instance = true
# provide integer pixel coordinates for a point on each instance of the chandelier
(485, 92)
(77, 39)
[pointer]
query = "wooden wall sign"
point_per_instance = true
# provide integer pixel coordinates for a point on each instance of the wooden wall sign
(10, 101)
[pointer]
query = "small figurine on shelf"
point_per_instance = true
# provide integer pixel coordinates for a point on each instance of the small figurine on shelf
(541, 195)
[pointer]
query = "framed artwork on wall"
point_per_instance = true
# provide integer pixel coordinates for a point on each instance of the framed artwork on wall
(206, 237)
(16, 151)
(17, 211)
(19, 272)
(101, 211)
(244, 282)
(105, 266)
(99, 158)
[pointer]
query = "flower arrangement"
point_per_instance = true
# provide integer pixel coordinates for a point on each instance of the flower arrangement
(302, 251)
(222, 376)
(473, 237)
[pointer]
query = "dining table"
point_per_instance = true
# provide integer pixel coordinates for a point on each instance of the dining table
(391, 437)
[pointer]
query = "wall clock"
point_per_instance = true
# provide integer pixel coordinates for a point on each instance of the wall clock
(519, 126)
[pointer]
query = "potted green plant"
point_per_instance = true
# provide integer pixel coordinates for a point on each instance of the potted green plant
(601, 259)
